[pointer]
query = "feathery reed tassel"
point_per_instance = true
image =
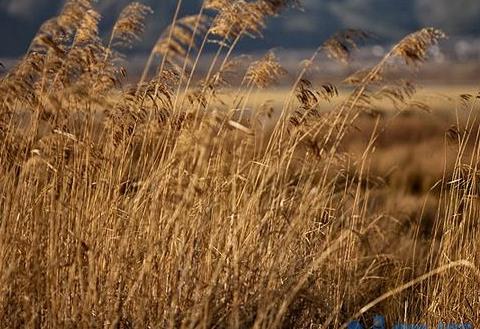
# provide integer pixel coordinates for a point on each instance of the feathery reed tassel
(130, 24)
(274, 7)
(174, 42)
(19, 83)
(88, 30)
(72, 14)
(238, 19)
(152, 53)
(414, 47)
(265, 71)
(57, 32)
(217, 5)
(244, 17)
(340, 46)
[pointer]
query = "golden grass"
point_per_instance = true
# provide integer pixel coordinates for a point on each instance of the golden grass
(175, 203)
(440, 98)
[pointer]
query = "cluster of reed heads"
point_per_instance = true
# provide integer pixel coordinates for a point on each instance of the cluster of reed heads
(156, 205)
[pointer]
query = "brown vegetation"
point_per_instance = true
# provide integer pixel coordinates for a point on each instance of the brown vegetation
(157, 205)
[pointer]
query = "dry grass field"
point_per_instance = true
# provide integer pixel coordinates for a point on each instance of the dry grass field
(176, 202)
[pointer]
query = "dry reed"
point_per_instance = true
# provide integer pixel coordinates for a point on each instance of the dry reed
(125, 207)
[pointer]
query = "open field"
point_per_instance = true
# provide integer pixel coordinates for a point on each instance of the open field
(174, 202)
(440, 98)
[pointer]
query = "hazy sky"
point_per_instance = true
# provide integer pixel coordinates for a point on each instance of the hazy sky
(388, 19)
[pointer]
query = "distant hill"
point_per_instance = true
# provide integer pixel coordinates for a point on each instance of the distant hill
(388, 19)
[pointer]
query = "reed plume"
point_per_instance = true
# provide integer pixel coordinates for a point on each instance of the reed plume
(240, 18)
(414, 47)
(72, 15)
(130, 24)
(274, 7)
(175, 41)
(341, 45)
(265, 71)
(87, 31)
(217, 5)
(19, 83)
